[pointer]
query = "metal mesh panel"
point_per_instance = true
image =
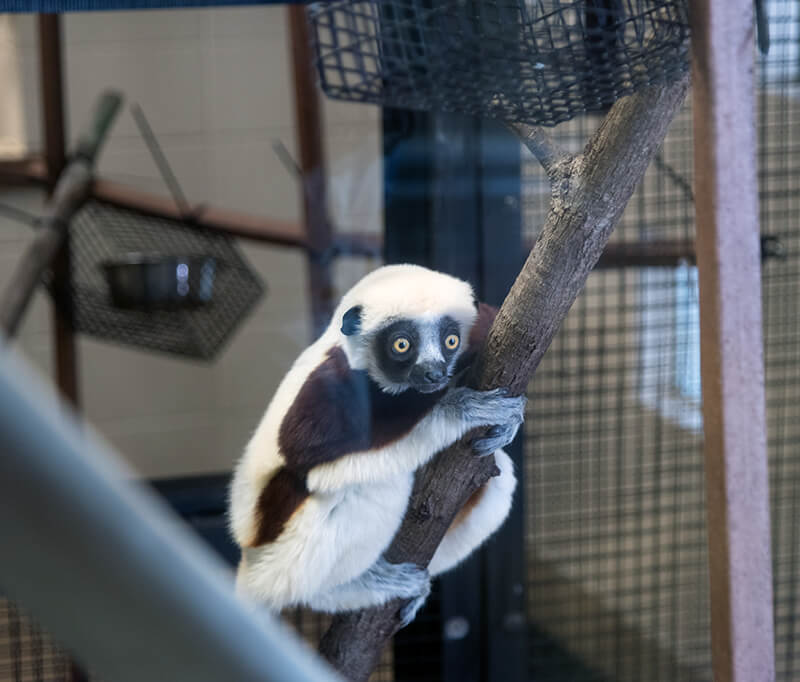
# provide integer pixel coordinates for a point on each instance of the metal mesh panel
(616, 520)
(26, 653)
(537, 61)
(100, 231)
(778, 173)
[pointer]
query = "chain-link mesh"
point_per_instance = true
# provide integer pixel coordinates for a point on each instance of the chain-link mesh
(26, 653)
(616, 539)
(535, 61)
(101, 232)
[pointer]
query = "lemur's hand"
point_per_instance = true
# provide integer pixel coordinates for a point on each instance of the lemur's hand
(484, 408)
(498, 436)
(495, 408)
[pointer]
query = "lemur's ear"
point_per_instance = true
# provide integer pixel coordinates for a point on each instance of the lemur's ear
(351, 321)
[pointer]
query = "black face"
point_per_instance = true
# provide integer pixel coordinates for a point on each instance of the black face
(418, 355)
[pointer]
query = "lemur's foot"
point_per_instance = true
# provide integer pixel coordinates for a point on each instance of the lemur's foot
(400, 580)
(409, 611)
(496, 437)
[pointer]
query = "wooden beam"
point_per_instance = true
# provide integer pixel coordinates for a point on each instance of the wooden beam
(25, 171)
(308, 118)
(279, 232)
(52, 84)
(732, 360)
(656, 254)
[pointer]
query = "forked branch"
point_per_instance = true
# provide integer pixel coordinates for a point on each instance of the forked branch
(586, 204)
(540, 142)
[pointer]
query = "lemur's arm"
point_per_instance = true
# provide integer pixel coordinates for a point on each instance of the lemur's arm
(396, 434)
(343, 430)
(457, 411)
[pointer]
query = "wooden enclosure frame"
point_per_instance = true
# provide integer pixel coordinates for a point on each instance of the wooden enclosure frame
(727, 255)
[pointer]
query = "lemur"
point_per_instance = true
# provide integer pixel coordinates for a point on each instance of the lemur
(324, 482)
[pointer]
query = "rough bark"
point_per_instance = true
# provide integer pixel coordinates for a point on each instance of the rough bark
(589, 194)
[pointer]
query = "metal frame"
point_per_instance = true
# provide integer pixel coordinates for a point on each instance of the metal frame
(109, 571)
(62, 501)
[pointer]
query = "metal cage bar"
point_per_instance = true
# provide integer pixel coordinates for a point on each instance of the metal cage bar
(107, 570)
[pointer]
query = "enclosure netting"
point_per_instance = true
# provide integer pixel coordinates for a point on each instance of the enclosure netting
(26, 653)
(536, 61)
(615, 517)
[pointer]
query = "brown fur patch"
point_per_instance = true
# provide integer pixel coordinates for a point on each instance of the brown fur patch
(339, 411)
(469, 505)
(477, 335)
(480, 328)
(280, 498)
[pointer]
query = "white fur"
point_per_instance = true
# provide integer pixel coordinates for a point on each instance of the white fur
(481, 521)
(397, 291)
(357, 502)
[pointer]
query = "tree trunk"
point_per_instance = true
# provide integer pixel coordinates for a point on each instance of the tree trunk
(589, 193)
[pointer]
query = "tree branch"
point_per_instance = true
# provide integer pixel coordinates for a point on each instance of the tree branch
(586, 204)
(554, 159)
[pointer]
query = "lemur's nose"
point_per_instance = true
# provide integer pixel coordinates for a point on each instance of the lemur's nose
(434, 375)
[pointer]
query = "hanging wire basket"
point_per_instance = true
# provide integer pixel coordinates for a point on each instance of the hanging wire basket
(101, 233)
(538, 61)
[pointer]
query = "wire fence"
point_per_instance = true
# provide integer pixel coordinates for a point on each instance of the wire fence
(616, 539)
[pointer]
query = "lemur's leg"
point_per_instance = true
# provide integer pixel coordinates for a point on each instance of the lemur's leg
(480, 517)
(381, 583)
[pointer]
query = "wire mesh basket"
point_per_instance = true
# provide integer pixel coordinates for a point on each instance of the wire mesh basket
(100, 233)
(534, 61)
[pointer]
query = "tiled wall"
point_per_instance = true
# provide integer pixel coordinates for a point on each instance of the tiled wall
(216, 88)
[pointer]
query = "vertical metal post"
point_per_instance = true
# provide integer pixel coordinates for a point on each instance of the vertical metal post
(102, 564)
(731, 341)
(52, 80)
(308, 118)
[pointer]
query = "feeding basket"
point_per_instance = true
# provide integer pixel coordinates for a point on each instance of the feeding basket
(101, 233)
(538, 62)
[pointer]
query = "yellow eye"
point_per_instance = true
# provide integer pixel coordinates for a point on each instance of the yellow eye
(401, 345)
(451, 341)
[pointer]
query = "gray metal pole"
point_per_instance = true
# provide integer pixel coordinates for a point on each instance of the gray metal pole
(105, 567)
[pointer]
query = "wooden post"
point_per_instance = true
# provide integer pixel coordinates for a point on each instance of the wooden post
(52, 82)
(731, 341)
(308, 118)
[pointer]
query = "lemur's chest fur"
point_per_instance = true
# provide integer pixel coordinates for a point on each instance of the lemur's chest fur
(338, 411)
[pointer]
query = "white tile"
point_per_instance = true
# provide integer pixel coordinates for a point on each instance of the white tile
(171, 451)
(251, 83)
(249, 177)
(167, 79)
(122, 382)
(135, 166)
(260, 22)
(137, 26)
